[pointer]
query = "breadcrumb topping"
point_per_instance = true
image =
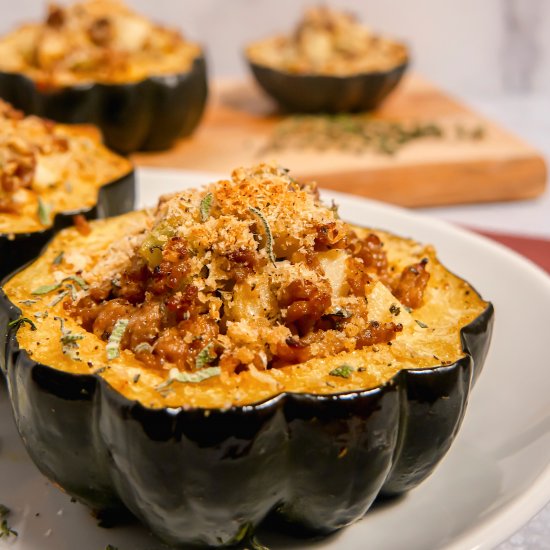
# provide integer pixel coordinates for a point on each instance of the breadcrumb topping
(249, 273)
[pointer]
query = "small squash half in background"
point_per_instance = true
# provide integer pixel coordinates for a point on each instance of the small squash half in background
(330, 64)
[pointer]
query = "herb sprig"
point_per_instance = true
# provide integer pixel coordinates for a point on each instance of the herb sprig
(268, 233)
(113, 345)
(205, 206)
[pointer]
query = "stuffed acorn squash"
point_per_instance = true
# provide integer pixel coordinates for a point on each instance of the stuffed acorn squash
(98, 62)
(236, 352)
(331, 63)
(50, 173)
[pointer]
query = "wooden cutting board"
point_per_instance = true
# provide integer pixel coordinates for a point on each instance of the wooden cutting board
(240, 124)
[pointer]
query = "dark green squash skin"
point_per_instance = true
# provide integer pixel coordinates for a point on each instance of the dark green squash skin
(146, 115)
(197, 477)
(114, 198)
(327, 94)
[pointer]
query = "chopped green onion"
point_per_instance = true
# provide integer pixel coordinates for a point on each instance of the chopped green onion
(113, 345)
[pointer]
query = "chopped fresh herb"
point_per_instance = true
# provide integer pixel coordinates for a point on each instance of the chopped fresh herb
(189, 377)
(113, 345)
(69, 341)
(59, 258)
(74, 293)
(28, 302)
(44, 211)
(268, 234)
(58, 298)
(395, 310)
(136, 378)
(421, 324)
(18, 323)
(78, 280)
(408, 309)
(5, 530)
(143, 347)
(206, 205)
(45, 289)
(343, 371)
(204, 357)
(351, 133)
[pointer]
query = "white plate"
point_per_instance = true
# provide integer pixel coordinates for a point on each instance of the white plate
(496, 476)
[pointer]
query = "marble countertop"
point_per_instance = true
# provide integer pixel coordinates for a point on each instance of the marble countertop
(529, 117)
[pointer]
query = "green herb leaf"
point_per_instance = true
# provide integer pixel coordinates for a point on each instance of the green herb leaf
(58, 298)
(421, 324)
(59, 258)
(28, 302)
(78, 280)
(206, 205)
(113, 345)
(44, 211)
(189, 377)
(343, 371)
(143, 347)
(45, 289)
(268, 234)
(5, 530)
(18, 323)
(69, 341)
(204, 357)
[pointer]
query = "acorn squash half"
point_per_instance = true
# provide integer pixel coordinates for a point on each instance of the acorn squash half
(51, 173)
(203, 444)
(100, 63)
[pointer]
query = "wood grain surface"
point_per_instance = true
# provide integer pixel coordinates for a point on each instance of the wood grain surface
(240, 123)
